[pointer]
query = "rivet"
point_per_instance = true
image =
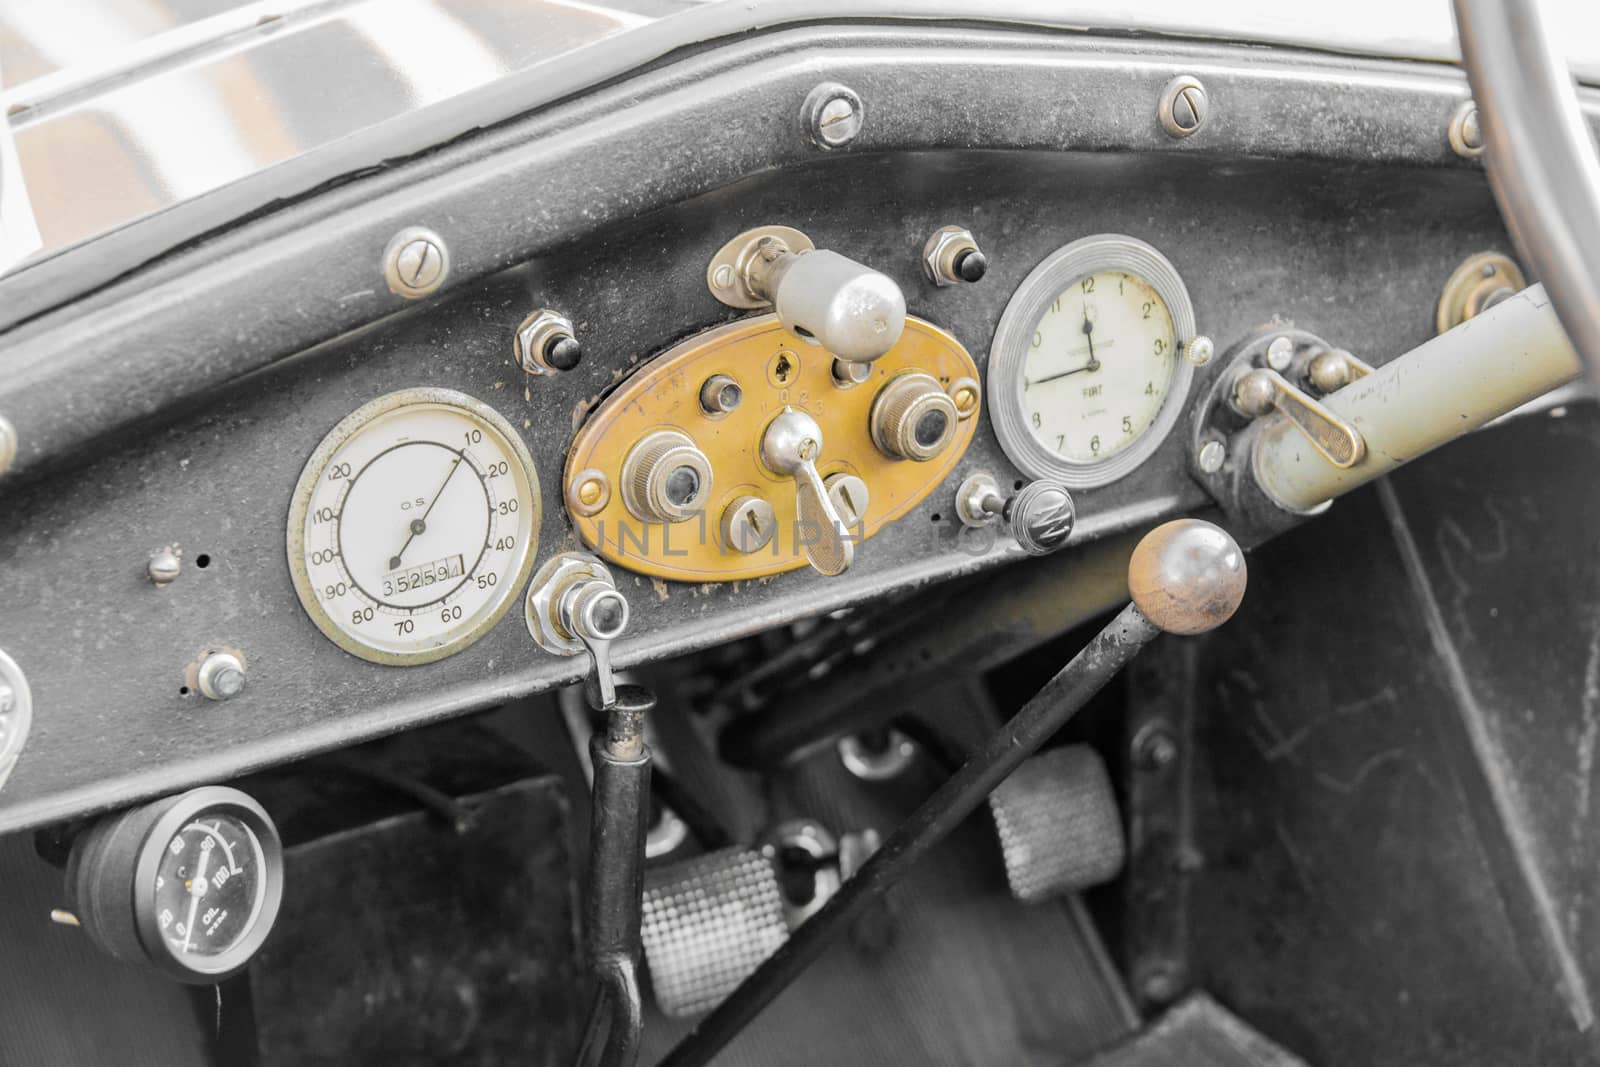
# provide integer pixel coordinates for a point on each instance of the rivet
(964, 392)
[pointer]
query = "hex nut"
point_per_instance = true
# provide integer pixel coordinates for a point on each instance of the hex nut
(943, 252)
(542, 343)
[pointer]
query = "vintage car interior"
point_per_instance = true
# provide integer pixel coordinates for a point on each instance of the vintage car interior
(817, 532)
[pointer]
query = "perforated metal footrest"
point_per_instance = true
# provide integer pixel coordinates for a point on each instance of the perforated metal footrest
(1059, 827)
(709, 922)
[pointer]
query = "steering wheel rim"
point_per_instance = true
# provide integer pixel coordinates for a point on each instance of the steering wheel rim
(1541, 157)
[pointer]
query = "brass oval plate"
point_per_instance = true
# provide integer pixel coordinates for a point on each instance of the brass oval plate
(774, 369)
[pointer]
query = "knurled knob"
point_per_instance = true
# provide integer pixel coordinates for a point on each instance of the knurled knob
(913, 418)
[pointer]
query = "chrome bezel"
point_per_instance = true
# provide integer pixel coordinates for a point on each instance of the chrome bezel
(1059, 271)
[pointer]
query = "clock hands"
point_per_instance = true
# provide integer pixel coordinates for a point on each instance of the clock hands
(1093, 364)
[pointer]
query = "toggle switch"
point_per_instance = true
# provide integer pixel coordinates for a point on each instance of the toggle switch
(1261, 390)
(820, 296)
(791, 446)
(573, 606)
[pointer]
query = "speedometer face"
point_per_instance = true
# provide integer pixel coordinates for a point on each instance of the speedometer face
(414, 525)
(209, 885)
(1098, 366)
(1086, 377)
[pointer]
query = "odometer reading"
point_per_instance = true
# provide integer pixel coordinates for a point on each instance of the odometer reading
(1087, 375)
(414, 526)
(1098, 366)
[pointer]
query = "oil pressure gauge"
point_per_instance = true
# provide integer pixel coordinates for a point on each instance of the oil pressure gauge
(1086, 376)
(189, 885)
(414, 525)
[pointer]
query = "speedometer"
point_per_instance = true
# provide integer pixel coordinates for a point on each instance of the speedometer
(1087, 375)
(413, 526)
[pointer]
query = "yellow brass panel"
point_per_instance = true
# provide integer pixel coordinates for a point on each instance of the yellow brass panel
(773, 368)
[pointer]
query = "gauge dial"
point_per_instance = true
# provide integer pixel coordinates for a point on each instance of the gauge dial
(413, 526)
(1085, 374)
(1098, 366)
(209, 885)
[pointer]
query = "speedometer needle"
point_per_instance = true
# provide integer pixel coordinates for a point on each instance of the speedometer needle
(1088, 333)
(197, 889)
(419, 524)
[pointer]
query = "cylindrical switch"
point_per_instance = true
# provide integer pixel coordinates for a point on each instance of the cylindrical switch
(830, 300)
(913, 418)
(665, 478)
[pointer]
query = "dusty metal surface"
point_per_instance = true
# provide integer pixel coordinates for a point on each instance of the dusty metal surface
(245, 298)
(1399, 847)
(105, 649)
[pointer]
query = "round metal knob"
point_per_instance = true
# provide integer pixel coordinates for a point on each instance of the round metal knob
(830, 300)
(913, 418)
(1041, 517)
(665, 478)
(1187, 576)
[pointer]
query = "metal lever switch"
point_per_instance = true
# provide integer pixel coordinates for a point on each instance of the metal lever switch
(1263, 390)
(820, 296)
(573, 606)
(791, 446)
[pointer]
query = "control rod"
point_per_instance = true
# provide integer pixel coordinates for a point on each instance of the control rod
(1185, 577)
(1466, 377)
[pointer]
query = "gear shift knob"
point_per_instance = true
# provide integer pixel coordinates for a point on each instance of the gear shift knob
(1187, 576)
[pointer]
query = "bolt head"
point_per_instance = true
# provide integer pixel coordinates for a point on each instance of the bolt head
(416, 263)
(1280, 353)
(164, 566)
(221, 676)
(833, 115)
(1187, 576)
(1212, 456)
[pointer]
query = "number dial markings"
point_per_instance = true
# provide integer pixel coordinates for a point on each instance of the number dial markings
(414, 525)
(1099, 367)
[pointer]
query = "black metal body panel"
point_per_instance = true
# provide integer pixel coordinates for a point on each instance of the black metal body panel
(1396, 766)
(1353, 252)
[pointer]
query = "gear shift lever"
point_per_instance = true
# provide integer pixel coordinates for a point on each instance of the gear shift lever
(1185, 577)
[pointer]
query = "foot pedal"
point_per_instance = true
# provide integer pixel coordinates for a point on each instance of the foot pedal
(708, 923)
(1198, 1033)
(1059, 827)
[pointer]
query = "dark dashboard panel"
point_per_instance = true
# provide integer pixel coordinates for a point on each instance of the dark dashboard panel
(1353, 253)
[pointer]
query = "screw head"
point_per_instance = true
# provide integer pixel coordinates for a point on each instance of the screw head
(832, 115)
(1183, 106)
(8, 444)
(748, 525)
(1465, 131)
(1212, 455)
(589, 492)
(1156, 749)
(164, 565)
(415, 263)
(1280, 353)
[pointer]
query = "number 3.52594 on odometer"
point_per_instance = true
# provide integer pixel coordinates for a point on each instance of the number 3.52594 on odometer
(413, 526)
